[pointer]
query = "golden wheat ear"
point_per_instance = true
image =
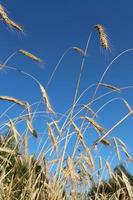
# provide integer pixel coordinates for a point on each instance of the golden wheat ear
(80, 51)
(4, 16)
(31, 129)
(105, 142)
(112, 87)
(95, 124)
(102, 36)
(46, 99)
(30, 55)
(52, 137)
(13, 24)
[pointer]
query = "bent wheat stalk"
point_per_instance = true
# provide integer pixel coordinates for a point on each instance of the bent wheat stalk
(106, 70)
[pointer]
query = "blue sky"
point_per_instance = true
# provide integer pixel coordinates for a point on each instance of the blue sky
(50, 27)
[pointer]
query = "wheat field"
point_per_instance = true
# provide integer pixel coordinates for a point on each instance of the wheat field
(69, 163)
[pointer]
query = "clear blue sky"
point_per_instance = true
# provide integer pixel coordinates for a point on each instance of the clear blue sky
(53, 26)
